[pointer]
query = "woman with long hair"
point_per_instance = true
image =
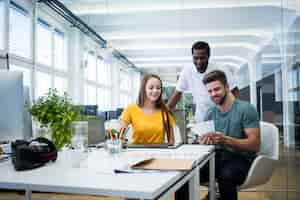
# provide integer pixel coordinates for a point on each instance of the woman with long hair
(150, 119)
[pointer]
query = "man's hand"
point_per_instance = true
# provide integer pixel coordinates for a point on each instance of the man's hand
(205, 139)
(212, 138)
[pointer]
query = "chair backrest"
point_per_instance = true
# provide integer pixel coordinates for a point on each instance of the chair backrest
(269, 135)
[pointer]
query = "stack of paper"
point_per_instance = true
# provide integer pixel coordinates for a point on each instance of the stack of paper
(202, 128)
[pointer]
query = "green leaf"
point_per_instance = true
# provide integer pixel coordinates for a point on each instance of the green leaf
(59, 111)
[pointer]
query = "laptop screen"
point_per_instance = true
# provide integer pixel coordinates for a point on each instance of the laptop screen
(96, 131)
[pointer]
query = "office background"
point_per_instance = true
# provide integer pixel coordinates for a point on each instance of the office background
(258, 41)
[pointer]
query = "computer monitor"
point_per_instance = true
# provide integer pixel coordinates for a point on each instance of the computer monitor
(96, 131)
(11, 106)
(119, 112)
(89, 110)
(111, 114)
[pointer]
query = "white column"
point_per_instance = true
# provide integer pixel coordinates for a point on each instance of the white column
(288, 108)
(252, 78)
(76, 66)
(115, 79)
(34, 48)
(3, 58)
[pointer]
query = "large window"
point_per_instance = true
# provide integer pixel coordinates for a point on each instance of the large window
(104, 79)
(43, 83)
(2, 24)
(59, 50)
(90, 88)
(20, 31)
(104, 98)
(44, 43)
(136, 85)
(91, 67)
(51, 57)
(104, 72)
(97, 81)
(60, 83)
(125, 95)
(90, 95)
(129, 87)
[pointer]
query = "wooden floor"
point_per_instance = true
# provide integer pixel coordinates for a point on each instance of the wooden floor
(284, 185)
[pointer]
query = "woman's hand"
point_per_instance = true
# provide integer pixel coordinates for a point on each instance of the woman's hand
(171, 142)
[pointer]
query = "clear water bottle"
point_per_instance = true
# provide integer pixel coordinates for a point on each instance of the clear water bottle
(79, 132)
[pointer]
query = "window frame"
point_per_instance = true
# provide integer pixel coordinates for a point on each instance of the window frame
(106, 88)
(54, 24)
(26, 10)
(4, 27)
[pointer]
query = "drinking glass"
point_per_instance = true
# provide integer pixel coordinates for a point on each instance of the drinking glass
(79, 132)
(113, 146)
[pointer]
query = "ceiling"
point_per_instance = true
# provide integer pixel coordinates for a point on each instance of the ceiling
(157, 35)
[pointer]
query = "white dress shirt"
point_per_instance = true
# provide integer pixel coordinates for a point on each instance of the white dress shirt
(190, 80)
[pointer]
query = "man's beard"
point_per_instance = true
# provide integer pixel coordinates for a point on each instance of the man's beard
(223, 99)
(203, 68)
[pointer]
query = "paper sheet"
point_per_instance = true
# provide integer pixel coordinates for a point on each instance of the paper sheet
(202, 128)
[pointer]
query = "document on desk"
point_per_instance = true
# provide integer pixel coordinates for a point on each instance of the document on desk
(164, 164)
(161, 161)
(152, 165)
(202, 128)
(128, 168)
(110, 164)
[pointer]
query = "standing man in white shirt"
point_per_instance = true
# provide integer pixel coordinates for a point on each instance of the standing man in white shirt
(191, 80)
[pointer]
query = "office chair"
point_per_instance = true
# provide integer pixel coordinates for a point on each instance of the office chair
(264, 164)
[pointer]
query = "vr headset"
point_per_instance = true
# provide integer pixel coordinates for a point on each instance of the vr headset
(35, 153)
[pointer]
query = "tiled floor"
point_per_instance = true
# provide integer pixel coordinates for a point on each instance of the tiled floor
(284, 185)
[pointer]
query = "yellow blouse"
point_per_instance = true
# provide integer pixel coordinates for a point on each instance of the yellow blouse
(147, 128)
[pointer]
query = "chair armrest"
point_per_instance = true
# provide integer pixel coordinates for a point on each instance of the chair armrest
(260, 171)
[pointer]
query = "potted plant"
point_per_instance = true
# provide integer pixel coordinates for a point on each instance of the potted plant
(57, 112)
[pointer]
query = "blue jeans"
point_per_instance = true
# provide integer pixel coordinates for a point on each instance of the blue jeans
(231, 170)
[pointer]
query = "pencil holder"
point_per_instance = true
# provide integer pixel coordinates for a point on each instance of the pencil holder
(113, 146)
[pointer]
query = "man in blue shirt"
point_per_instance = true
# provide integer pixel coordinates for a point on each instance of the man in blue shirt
(237, 137)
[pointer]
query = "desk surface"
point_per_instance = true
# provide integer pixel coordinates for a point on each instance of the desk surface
(89, 173)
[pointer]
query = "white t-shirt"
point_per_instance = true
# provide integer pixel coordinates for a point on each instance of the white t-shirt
(190, 80)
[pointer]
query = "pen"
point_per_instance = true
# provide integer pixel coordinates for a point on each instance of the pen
(115, 133)
(121, 133)
(110, 133)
